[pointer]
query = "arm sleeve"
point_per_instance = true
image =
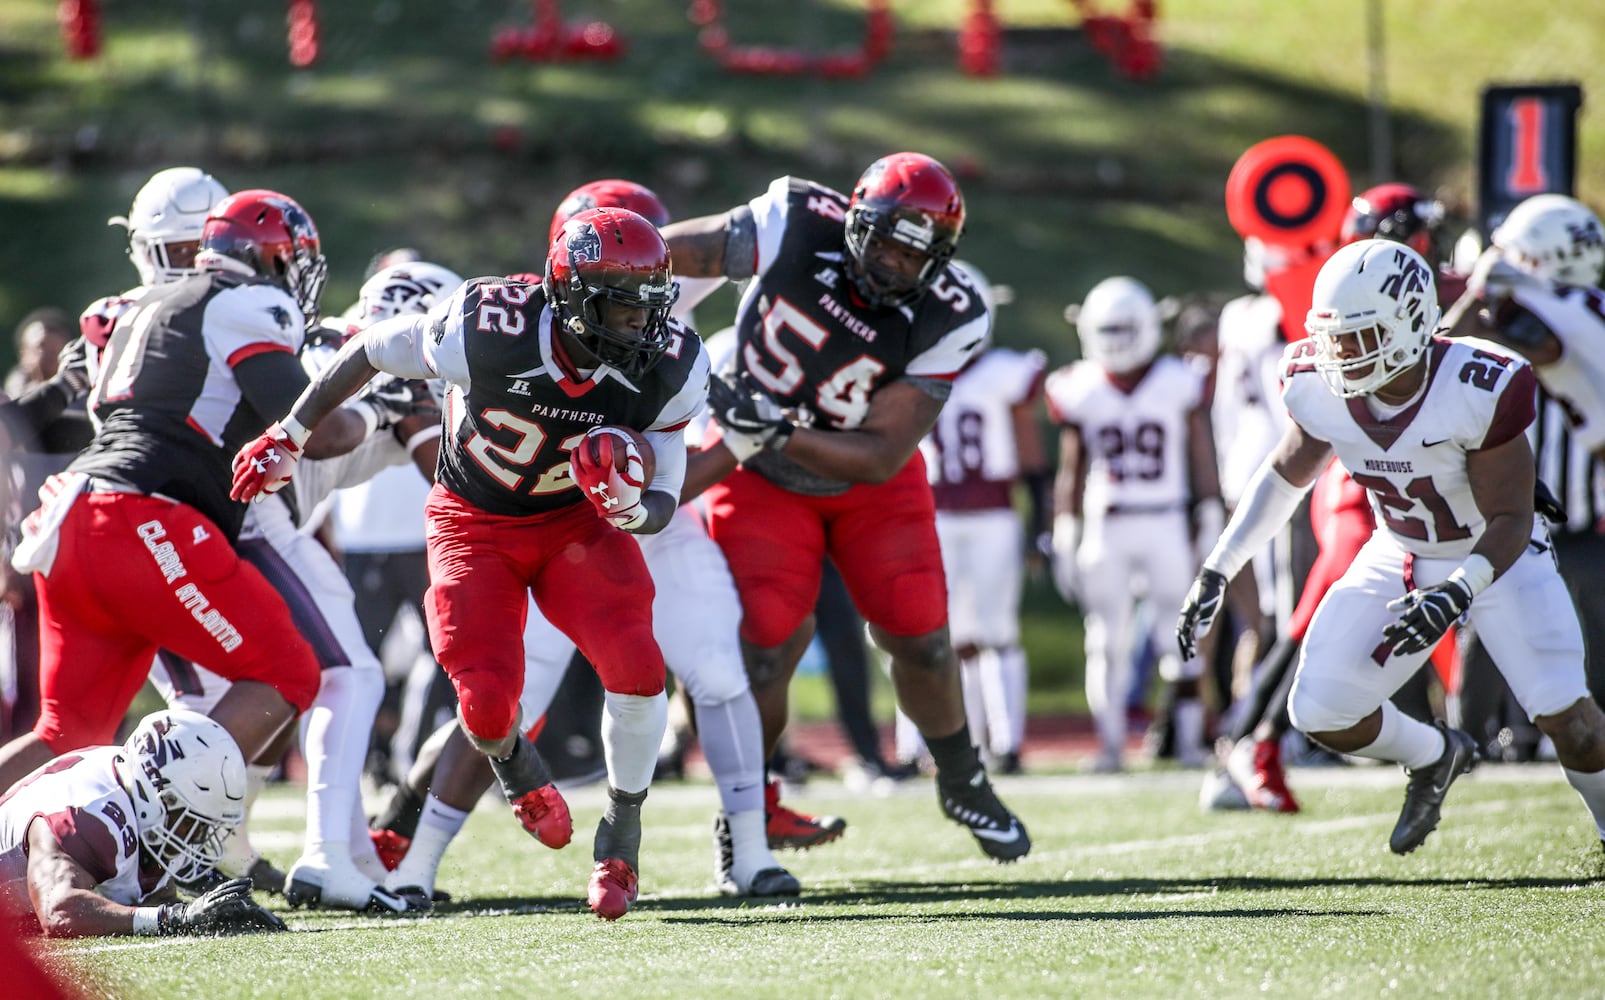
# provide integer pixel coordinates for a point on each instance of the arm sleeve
(1267, 504)
(669, 447)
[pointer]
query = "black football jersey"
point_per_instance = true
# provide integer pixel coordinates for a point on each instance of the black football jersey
(513, 412)
(815, 347)
(168, 409)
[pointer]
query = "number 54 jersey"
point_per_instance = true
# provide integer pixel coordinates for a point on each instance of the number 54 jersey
(516, 406)
(815, 348)
(1412, 463)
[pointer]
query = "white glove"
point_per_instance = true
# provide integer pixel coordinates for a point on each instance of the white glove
(1066, 540)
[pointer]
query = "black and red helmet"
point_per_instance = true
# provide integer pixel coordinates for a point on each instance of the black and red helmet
(612, 255)
(271, 234)
(911, 200)
(610, 193)
(1397, 212)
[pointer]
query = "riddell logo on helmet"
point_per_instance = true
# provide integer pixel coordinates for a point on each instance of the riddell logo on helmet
(585, 246)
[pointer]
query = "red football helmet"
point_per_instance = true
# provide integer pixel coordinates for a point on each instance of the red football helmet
(612, 256)
(609, 194)
(274, 237)
(1397, 212)
(911, 200)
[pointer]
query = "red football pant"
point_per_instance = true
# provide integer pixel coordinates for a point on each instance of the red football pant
(882, 537)
(587, 577)
(136, 573)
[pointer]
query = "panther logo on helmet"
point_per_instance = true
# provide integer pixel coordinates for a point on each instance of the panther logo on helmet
(584, 245)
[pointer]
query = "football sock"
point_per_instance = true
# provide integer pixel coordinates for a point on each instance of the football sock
(1003, 684)
(363, 853)
(910, 745)
(732, 741)
(1591, 786)
(438, 824)
(334, 741)
(974, 699)
(619, 833)
(1404, 740)
(750, 840)
(521, 771)
(1189, 715)
(954, 755)
(632, 728)
(401, 812)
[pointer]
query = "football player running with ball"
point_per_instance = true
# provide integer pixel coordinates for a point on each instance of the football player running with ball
(1433, 430)
(849, 338)
(537, 375)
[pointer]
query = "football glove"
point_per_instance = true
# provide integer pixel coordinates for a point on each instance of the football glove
(395, 399)
(265, 465)
(751, 421)
(72, 369)
(1199, 610)
(615, 495)
(224, 909)
(1428, 613)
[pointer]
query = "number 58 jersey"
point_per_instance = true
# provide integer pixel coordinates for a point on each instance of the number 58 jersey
(1412, 463)
(516, 406)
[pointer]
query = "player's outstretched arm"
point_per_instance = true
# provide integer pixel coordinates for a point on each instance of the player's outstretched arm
(697, 246)
(899, 415)
(63, 892)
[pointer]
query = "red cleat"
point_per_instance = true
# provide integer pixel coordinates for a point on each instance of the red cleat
(392, 847)
(545, 815)
(1256, 766)
(788, 828)
(613, 888)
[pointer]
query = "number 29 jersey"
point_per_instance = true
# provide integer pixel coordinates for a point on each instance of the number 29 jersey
(815, 348)
(514, 409)
(1413, 463)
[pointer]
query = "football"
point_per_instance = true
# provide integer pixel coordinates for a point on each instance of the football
(620, 458)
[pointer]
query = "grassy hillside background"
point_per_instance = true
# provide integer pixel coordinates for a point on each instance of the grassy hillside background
(407, 133)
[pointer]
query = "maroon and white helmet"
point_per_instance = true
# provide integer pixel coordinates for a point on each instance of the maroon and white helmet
(404, 288)
(186, 776)
(1554, 237)
(1382, 293)
(165, 222)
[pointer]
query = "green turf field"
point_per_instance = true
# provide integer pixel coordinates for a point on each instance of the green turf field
(1130, 891)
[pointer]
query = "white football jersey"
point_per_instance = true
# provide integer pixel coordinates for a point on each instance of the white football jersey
(1246, 419)
(1576, 316)
(92, 816)
(971, 457)
(1413, 464)
(1136, 440)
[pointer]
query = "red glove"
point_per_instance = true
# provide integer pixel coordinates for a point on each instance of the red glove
(615, 495)
(266, 464)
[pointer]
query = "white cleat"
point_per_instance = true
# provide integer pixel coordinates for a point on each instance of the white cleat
(316, 881)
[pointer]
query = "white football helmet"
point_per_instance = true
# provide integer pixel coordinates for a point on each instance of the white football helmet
(186, 776)
(1381, 293)
(164, 224)
(1554, 237)
(1119, 325)
(403, 288)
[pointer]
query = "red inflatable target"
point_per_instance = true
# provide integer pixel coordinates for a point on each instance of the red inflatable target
(1289, 191)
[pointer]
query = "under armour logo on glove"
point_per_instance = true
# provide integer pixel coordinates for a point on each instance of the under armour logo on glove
(1428, 613)
(265, 465)
(609, 468)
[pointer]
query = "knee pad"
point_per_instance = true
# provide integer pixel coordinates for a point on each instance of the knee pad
(1311, 716)
(488, 711)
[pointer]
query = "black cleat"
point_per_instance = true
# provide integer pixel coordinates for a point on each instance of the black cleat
(1423, 797)
(972, 803)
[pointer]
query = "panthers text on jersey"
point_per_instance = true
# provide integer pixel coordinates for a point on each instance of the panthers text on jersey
(971, 457)
(169, 412)
(1413, 463)
(1135, 439)
(516, 409)
(812, 346)
(92, 818)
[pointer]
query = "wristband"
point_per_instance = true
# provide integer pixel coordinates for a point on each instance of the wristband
(147, 920)
(1475, 574)
(297, 433)
(422, 438)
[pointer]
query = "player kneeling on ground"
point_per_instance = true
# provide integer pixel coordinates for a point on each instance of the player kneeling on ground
(93, 834)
